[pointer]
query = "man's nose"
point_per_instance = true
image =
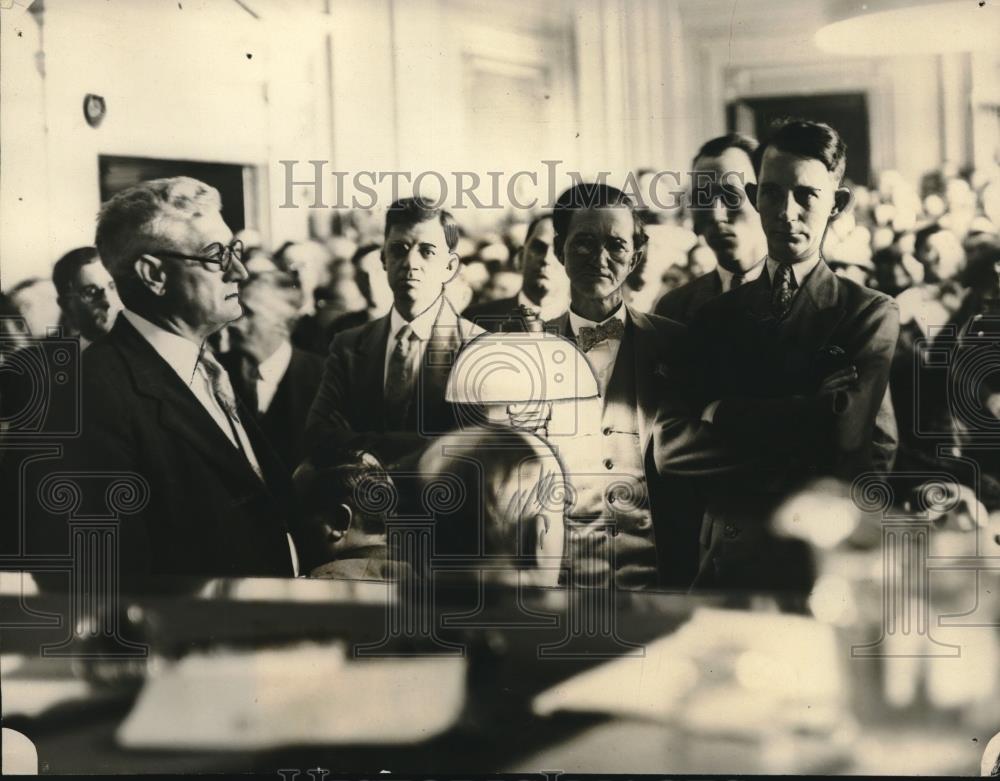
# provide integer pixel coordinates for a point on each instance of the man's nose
(718, 212)
(790, 208)
(414, 259)
(236, 272)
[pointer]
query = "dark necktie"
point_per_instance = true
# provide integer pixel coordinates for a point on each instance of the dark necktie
(400, 377)
(782, 291)
(736, 281)
(589, 337)
(245, 382)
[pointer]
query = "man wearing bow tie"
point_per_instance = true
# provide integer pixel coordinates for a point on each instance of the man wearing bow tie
(614, 536)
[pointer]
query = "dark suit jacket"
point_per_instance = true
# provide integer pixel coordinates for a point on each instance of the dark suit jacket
(348, 408)
(682, 303)
(284, 422)
(661, 352)
(766, 373)
(491, 314)
(208, 512)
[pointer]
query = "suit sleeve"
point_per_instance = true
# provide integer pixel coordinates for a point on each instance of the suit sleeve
(683, 444)
(105, 450)
(328, 425)
(846, 420)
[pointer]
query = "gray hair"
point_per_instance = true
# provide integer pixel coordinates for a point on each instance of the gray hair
(142, 217)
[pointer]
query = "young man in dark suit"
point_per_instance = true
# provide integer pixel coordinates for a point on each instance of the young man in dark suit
(545, 291)
(724, 217)
(383, 384)
(156, 405)
(795, 365)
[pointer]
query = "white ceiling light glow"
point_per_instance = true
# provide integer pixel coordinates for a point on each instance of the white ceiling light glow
(887, 29)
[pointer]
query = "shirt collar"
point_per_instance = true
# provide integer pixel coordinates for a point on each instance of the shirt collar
(422, 324)
(545, 313)
(576, 322)
(182, 354)
(749, 276)
(273, 368)
(800, 270)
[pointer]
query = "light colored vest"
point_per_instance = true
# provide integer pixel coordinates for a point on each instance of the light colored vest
(608, 522)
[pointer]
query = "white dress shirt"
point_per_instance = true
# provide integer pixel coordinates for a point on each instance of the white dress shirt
(422, 325)
(726, 276)
(271, 372)
(800, 270)
(602, 355)
(182, 355)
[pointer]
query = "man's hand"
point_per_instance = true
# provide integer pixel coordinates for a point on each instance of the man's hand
(841, 380)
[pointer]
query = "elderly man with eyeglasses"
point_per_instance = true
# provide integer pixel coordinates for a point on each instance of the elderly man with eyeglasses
(157, 404)
(627, 526)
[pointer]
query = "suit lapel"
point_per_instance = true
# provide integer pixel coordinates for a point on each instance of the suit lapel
(370, 368)
(757, 298)
(709, 288)
(645, 351)
(815, 311)
(560, 325)
(179, 409)
(439, 356)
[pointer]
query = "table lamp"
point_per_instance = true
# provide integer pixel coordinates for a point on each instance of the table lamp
(515, 377)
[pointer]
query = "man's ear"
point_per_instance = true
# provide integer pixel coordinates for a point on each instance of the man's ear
(541, 524)
(381, 255)
(558, 245)
(751, 188)
(151, 272)
(636, 258)
(454, 264)
(338, 523)
(842, 200)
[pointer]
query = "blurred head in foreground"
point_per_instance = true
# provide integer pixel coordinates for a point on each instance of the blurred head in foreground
(497, 495)
(343, 499)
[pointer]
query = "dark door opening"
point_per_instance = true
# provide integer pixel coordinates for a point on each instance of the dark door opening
(847, 113)
(118, 173)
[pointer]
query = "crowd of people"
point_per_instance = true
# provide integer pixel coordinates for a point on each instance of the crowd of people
(284, 406)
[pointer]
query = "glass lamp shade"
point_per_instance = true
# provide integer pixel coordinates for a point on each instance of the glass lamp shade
(520, 368)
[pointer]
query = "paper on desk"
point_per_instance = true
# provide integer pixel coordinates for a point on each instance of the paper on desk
(30, 686)
(724, 672)
(302, 695)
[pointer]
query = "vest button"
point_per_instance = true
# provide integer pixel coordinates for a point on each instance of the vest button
(609, 464)
(606, 431)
